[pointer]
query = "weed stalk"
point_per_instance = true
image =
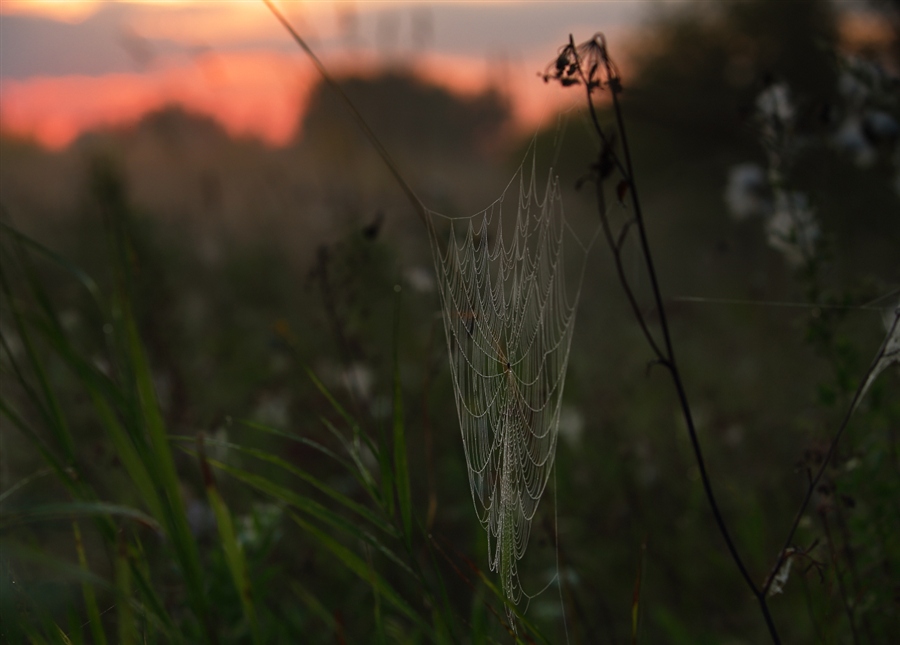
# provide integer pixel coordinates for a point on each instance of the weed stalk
(589, 65)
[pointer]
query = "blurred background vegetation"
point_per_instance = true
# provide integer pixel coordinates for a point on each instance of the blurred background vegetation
(242, 268)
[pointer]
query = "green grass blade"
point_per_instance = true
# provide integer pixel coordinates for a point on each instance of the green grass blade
(315, 605)
(353, 467)
(152, 607)
(47, 404)
(401, 465)
(128, 634)
(351, 422)
(311, 508)
(22, 483)
(58, 466)
(66, 510)
(445, 620)
(301, 440)
(64, 570)
(318, 484)
(234, 552)
(636, 596)
(386, 470)
(57, 259)
(102, 389)
(373, 582)
(163, 467)
(34, 637)
(76, 634)
(60, 636)
(330, 398)
(90, 599)
(496, 591)
(84, 369)
(129, 456)
(359, 567)
(364, 476)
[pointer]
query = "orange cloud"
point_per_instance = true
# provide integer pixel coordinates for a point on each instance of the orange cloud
(215, 23)
(64, 10)
(252, 94)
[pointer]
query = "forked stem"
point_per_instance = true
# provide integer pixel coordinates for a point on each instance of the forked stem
(665, 355)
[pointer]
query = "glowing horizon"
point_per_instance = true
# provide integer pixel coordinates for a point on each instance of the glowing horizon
(250, 94)
(230, 61)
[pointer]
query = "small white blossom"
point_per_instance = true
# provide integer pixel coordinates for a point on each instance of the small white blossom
(571, 425)
(793, 228)
(775, 103)
(420, 279)
(852, 88)
(273, 409)
(746, 191)
(851, 139)
(359, 380)
(891, 354)
(780, 577)
(891, 320)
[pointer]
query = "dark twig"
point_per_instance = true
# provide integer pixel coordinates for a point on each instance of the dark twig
(848, 609)
(826, 461)
(414, 200)
(589, 64)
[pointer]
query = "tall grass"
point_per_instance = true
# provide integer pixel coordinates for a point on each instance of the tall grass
(147, 574)
(188, 534)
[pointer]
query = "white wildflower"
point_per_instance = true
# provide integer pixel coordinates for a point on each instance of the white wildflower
(851, 139)
(852, 88)
(775, 103)
(359, 380)
(571, 425)
(780, 577)
(793, 228)
(891, 353)
(420, 279)
(273, 409)
(746, 191)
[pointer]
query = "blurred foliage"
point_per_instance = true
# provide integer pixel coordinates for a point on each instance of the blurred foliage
(419, 120)
(248, 265)
(703, 66)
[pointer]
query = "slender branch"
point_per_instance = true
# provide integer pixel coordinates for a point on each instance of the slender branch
(832, 448)
(414, 200)
(616, 248)
(570, 68)
(848, 609)
(672, 364)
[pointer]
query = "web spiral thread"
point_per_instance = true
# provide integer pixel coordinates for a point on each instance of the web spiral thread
(508, 319)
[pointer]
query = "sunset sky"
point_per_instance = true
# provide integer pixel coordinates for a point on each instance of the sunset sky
(67, 66)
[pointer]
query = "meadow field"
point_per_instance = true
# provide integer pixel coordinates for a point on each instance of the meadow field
(228, 416)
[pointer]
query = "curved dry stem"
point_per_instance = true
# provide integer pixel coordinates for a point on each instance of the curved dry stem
(832, 448)
(665, 355)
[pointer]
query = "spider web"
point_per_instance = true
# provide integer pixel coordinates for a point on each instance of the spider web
(508, 318)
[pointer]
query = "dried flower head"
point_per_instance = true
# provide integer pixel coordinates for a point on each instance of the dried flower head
(587, 63)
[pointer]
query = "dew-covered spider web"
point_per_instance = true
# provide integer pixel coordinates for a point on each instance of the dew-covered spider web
(509, 315)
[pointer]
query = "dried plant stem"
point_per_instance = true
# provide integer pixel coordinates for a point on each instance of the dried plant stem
(832, 448)
(410, 194)
(835, 560)
(665, 354)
